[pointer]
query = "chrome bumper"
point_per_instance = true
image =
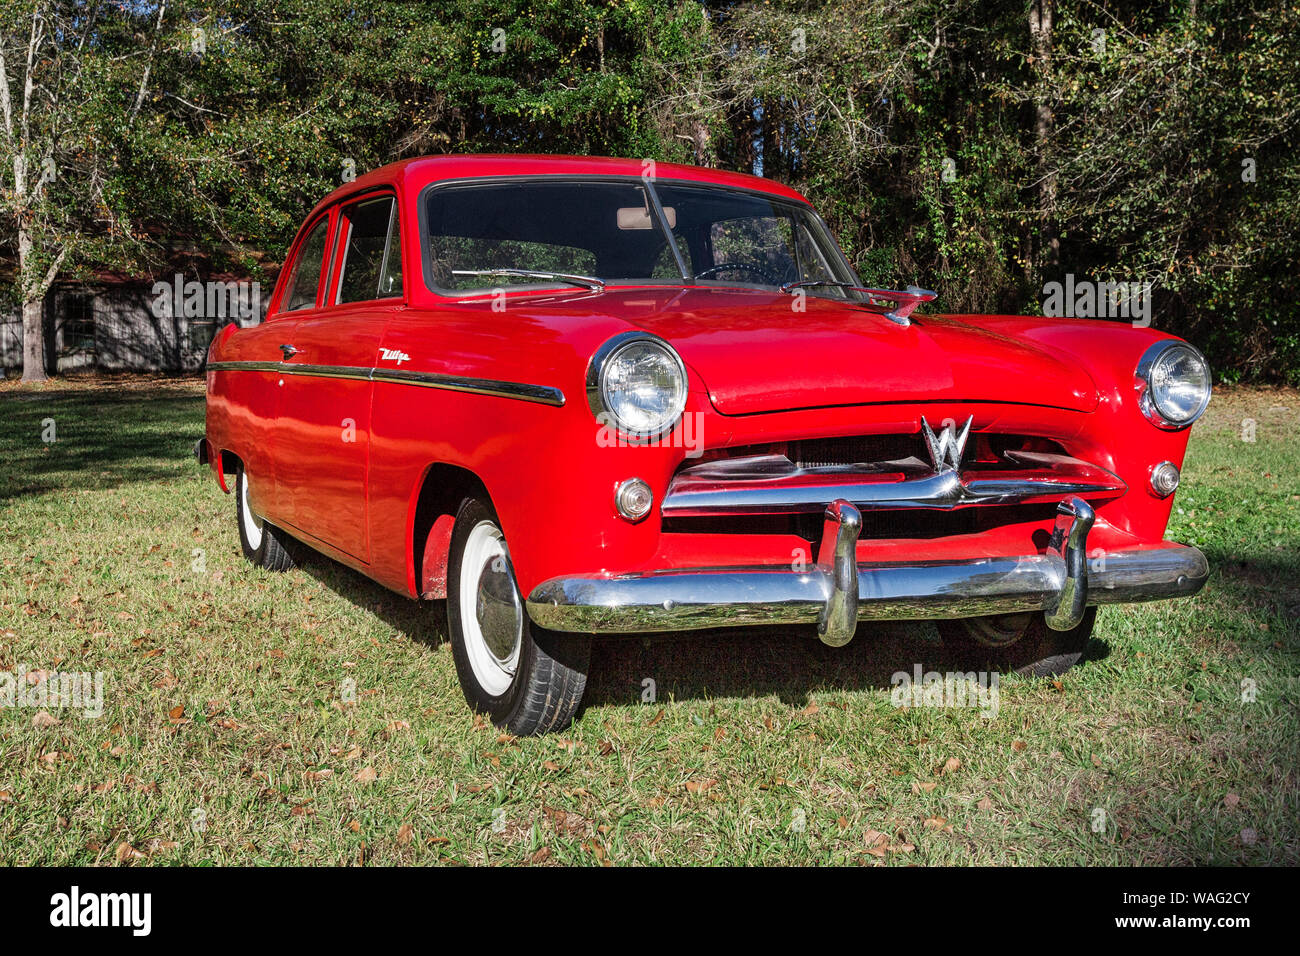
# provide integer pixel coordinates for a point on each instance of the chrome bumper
(837, 591)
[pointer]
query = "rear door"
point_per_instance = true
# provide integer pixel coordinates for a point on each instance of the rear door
(325, 412)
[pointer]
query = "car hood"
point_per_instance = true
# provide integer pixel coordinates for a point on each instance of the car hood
(755, 354)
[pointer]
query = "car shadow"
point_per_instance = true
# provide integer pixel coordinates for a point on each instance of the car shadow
(788, 662)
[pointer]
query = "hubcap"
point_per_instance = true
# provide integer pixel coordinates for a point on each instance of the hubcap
(491, 612)
(500, 616)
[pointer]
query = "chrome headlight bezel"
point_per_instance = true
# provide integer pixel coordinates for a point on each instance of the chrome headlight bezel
(598, 396)
(1148, 395)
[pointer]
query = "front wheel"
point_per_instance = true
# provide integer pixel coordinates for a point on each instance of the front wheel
(1019, 642)
(527, 680)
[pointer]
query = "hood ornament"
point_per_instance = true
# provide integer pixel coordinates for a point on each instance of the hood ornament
(947, 447)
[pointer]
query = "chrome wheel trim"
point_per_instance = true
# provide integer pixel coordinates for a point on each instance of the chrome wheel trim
(252, 524)
(491, 612)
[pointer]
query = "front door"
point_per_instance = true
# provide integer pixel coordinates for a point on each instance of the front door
(323, 429)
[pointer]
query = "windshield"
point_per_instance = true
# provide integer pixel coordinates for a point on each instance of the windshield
(556, 233)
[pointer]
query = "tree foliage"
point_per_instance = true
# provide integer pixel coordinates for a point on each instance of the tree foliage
(949, 143)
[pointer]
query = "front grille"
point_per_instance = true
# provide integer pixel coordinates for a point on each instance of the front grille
(827, 452)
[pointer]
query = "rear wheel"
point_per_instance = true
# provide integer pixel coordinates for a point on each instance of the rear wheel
(263, 544)
(527, 680)
(1019, 642)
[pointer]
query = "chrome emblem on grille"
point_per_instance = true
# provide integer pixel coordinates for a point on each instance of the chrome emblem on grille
(947, 447)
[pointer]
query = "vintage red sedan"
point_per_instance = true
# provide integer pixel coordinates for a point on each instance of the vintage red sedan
(578, 396)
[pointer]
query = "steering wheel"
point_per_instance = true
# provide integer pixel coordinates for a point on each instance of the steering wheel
(749, 267)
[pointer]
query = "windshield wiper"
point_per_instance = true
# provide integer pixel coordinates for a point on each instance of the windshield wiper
(589, 282)
(810, 283)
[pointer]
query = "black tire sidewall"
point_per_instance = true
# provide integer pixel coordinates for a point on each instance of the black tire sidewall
(500, 708)
(1040, 652)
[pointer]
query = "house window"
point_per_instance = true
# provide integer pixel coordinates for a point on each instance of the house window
(200, 333)
(78, 323)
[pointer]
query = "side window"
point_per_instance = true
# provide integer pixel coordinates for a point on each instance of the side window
(301, 290)
(372, 260)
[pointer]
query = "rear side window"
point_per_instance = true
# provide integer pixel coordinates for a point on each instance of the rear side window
(301, 290)
(372, 259)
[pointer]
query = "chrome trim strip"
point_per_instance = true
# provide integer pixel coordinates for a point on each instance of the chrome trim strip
(683, 600)
(541, 394)
(243, 366)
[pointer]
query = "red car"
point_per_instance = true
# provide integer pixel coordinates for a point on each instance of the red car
(580, 396)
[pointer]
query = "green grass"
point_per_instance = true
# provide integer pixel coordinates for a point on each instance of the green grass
(752, 732)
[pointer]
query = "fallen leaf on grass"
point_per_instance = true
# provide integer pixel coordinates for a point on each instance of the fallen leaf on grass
(1231, 800)
(405, 833)
(877, 842)
(550, 765)
(126, 851)
(1018, 745)
(811, 710)
(656, 718)
(366, 775)
(177, 716)
(950, 765)
(541, 856)
(315, 776)
(923, 787)
(43, 720)
(700, 786)
(985, 804)
(396, 725)
(935, 823)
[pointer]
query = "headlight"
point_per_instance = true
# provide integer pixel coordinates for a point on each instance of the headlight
(637, 383)
(1173, 383)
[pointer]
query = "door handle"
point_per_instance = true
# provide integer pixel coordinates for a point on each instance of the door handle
(288, 351)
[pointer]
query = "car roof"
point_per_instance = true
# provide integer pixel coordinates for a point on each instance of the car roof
(416, 173)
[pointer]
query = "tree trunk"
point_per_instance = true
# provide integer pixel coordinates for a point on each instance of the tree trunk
(34, 340)
(33, 313)
(1040, 36)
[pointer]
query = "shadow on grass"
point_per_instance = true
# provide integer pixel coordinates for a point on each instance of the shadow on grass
(788, 662)
(102, 439)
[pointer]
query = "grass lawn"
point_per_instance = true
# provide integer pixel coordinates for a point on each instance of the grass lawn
(226, 739)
